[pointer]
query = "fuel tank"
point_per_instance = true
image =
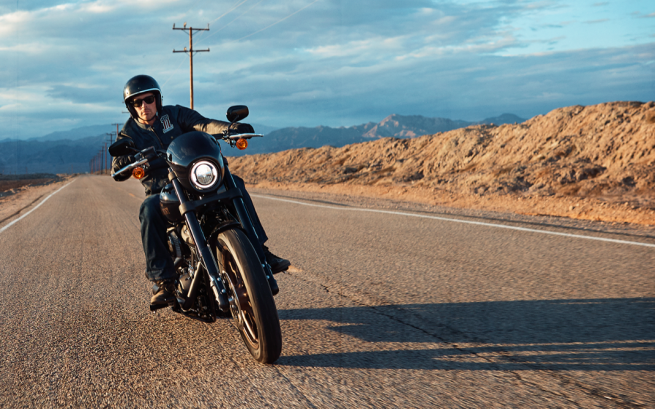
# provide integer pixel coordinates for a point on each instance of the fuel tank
(170, 205)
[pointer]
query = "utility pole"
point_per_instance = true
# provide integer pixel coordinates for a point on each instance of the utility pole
(190, 51)
(107, 157)
(117, 126)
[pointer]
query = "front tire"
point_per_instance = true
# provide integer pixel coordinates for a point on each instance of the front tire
(252, 306)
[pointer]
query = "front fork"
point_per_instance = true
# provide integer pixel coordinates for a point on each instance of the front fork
(248, 227)
(206, 255)
(204, 250)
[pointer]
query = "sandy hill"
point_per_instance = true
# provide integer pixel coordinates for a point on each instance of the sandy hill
(399, 126)
(594, 162)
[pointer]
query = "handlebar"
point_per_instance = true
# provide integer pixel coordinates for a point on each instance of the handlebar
(130, 167)
(150, 152)
(242, 136)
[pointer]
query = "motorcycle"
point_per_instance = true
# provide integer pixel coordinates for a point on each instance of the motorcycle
(220, 272)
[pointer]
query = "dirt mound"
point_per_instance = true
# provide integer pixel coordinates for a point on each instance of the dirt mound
(595, 162)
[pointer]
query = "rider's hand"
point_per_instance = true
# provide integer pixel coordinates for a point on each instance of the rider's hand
(243, 128)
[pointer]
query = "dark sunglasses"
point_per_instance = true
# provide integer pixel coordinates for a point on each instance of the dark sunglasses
(148, 100)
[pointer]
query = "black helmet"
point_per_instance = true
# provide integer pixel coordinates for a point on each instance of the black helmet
(138, 85)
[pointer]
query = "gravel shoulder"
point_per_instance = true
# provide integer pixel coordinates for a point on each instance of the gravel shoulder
(19, 199)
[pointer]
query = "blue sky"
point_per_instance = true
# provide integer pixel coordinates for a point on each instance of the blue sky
(321, 62)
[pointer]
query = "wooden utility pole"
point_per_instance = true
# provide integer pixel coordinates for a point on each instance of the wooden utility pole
(190, 51)
(101, 161)
(107, 162)
(117, 127)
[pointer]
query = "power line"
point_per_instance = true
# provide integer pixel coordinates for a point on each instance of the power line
(277, 22)
(232, 21)
(228, 12)
(171, 76)
(190, 52)
(239, 3)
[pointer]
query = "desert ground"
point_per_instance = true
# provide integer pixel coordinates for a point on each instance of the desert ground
(591, 163)
(582, 162)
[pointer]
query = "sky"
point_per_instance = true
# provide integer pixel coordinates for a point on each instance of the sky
(321, 62)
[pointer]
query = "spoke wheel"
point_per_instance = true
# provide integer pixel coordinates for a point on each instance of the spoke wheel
(251, 303)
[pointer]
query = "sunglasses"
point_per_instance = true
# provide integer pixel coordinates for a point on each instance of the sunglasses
(148, 100)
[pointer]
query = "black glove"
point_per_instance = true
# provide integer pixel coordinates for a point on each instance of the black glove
(243, 128)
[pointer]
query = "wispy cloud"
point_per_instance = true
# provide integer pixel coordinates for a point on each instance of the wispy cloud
(330, 62)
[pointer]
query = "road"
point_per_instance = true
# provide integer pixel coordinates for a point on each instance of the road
(379, 309)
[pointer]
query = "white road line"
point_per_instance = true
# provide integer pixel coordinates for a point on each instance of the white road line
(36, 207)
(446, 219)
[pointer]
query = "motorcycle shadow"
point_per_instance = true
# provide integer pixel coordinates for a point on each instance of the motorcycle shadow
(575, 334)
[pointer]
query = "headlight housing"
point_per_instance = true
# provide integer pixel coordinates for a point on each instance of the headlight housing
(204, 175)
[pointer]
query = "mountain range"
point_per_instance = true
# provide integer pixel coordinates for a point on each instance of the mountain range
(71, 151)
(397, 126)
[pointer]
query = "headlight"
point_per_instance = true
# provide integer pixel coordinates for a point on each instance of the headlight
(204, 175)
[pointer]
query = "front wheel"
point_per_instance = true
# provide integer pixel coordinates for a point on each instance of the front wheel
(251, 302)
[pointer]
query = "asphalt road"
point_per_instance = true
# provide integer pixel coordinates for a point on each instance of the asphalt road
(378, 310)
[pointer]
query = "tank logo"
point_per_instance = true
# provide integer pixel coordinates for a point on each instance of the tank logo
(166, 122)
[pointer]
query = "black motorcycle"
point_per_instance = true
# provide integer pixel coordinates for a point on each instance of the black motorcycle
(220, 272)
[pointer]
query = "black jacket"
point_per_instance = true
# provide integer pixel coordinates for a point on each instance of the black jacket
(172, 122)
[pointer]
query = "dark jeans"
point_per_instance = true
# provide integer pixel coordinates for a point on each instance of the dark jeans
(159, 264)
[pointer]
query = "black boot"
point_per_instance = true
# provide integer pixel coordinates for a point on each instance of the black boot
(164, 294)
(278, 264)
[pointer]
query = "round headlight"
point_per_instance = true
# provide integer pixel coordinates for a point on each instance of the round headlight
(204, 175)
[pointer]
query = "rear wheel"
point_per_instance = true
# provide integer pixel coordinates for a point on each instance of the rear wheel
(251, 302)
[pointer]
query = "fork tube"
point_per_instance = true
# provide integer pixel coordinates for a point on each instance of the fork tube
(203, 248)
(244, 218)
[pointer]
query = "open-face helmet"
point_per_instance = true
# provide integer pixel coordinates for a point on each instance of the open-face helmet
(139, 85)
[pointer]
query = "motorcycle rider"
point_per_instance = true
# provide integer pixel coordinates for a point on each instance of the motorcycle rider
(152, 124)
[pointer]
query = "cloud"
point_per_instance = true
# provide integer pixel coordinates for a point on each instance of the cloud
(90, 94)
(334, 63)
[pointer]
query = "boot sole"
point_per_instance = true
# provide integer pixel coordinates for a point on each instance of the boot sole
(155, 307)
(282, 267)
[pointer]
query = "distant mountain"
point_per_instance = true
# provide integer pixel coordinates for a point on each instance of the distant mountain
(263, 129)
(80, 133)
(38, 156)
(501, 119)
(398, 126)
(61, 152)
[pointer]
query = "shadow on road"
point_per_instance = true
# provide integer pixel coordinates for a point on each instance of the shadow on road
(594, 335)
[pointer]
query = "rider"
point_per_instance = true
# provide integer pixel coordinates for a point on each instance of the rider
(152, 124)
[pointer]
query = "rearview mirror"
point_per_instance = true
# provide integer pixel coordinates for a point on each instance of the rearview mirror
(122, 147)
(236, 113)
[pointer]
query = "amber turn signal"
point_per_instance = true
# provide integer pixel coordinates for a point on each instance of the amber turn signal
(242, 144)
(138, 173)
